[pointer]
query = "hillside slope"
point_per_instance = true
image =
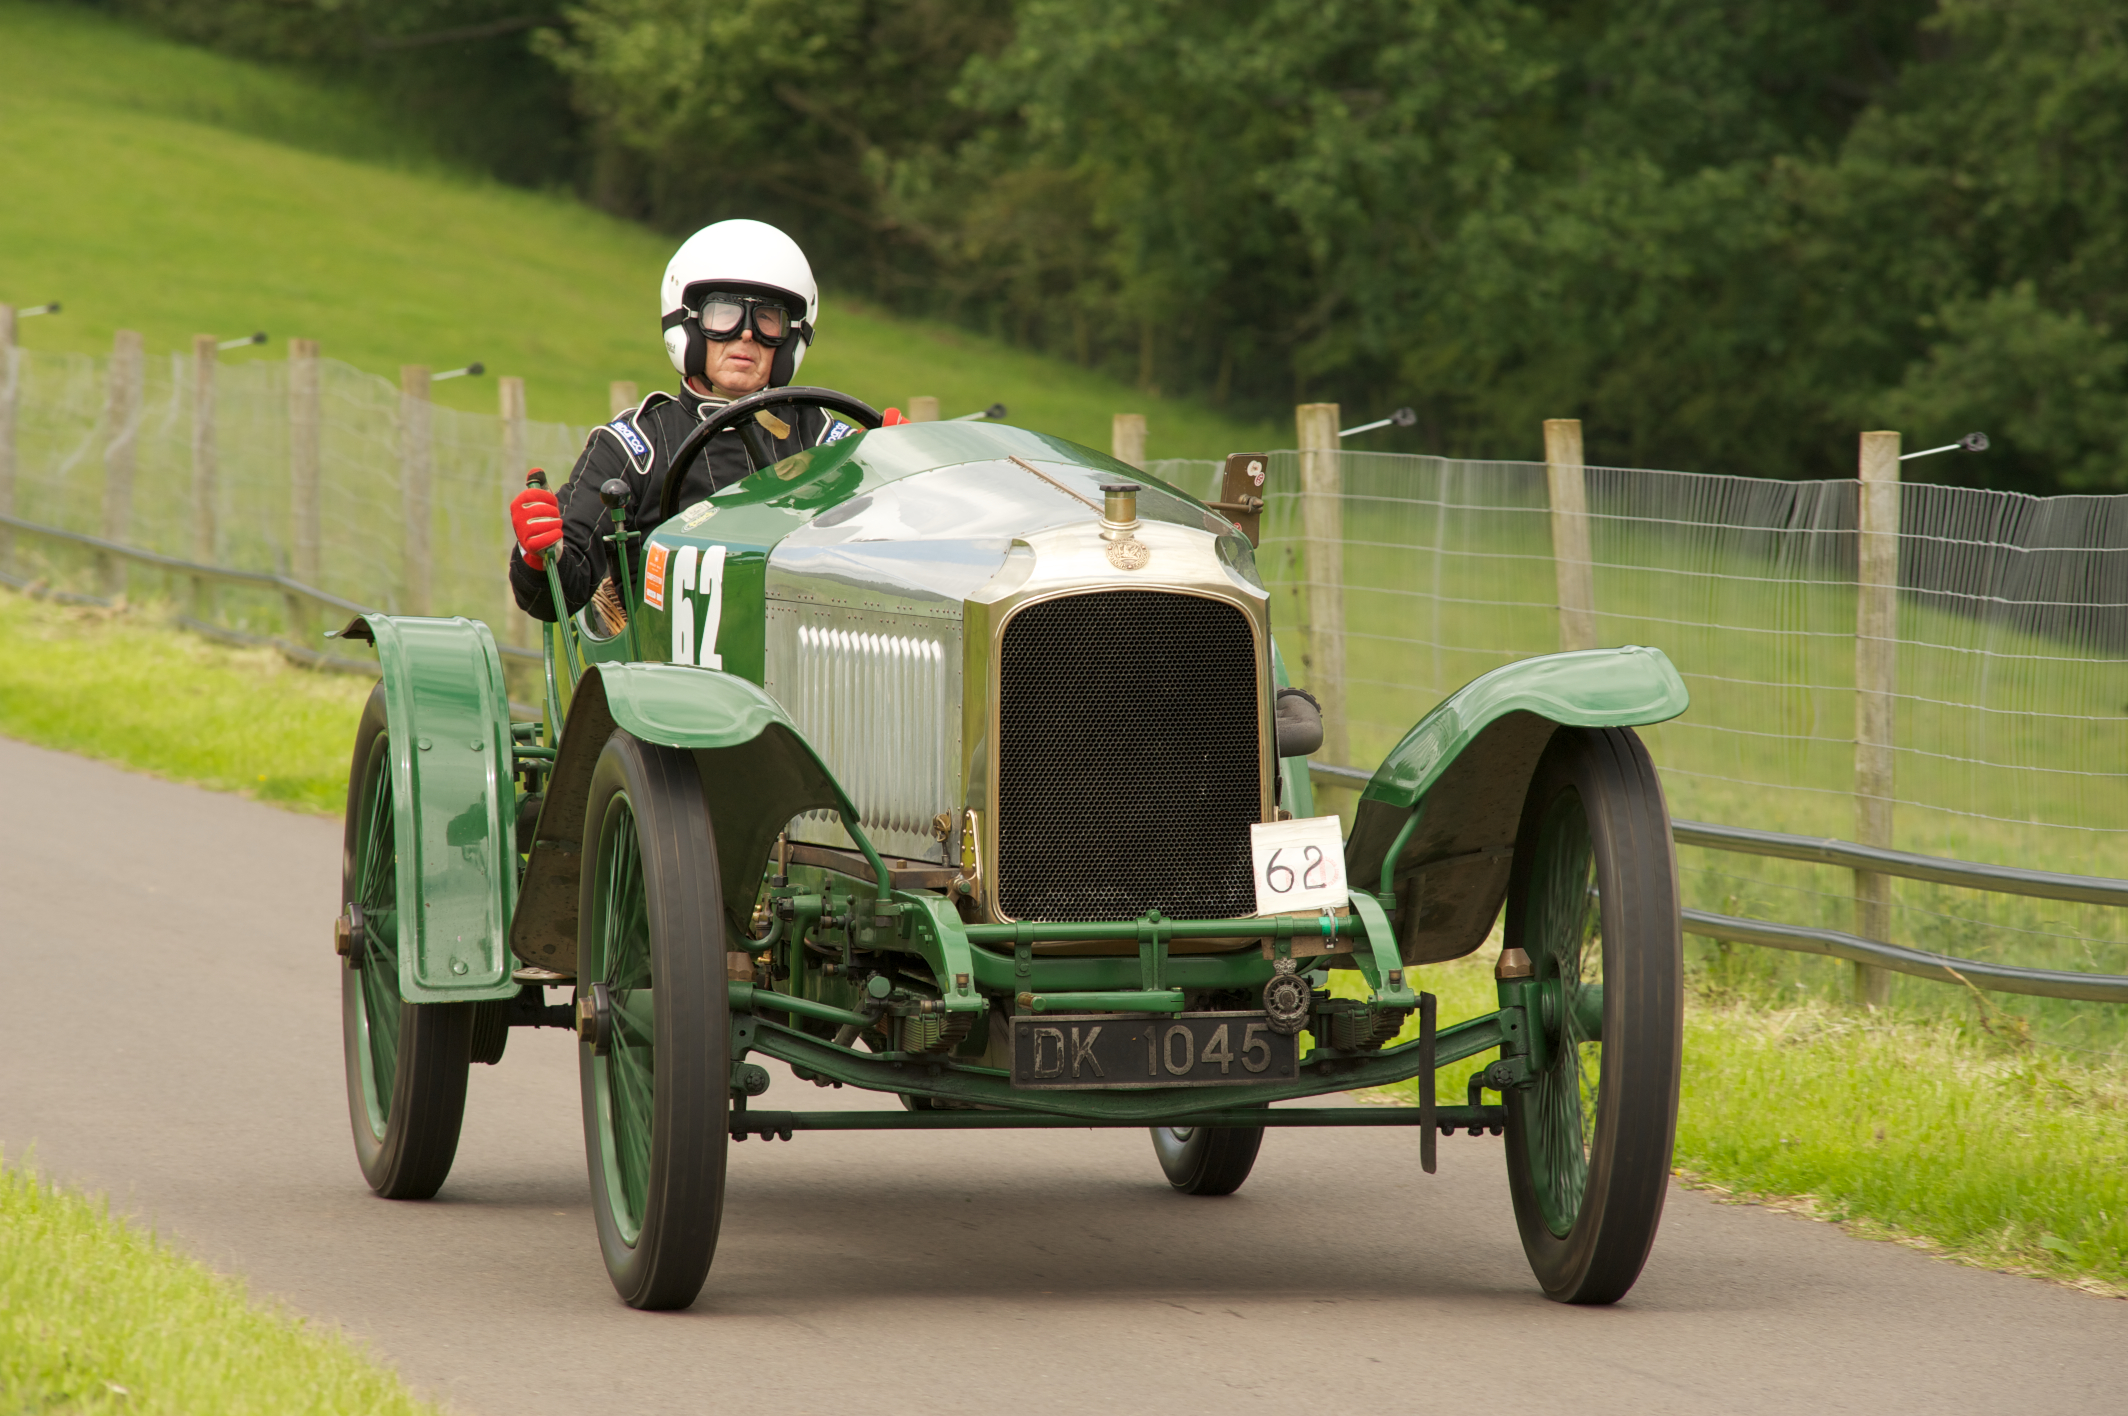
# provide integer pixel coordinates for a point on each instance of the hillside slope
(170, 190)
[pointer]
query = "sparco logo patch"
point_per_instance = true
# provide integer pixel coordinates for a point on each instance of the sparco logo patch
(630, 437)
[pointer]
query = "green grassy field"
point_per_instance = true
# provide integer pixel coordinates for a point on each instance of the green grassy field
(173, 191)
(98, 1316)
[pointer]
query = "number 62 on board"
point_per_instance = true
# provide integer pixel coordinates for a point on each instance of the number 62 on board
(1298, 865)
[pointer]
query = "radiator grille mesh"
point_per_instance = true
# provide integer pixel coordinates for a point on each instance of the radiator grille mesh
(1128, 731)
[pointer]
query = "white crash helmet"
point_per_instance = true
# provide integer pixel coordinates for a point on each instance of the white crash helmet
(748, 258)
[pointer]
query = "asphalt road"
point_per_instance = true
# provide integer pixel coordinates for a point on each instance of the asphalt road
(171, 1037)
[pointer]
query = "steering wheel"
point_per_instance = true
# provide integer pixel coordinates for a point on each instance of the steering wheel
(740, 411)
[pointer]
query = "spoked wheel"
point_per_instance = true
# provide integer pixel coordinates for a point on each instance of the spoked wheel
(406, 1062)
(1593, 901)
(656, 1071)
(1207, 1160)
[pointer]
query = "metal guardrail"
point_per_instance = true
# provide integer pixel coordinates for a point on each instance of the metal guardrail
(1942, 968)
(1827, 850)
(1971, 875)
(257, 579)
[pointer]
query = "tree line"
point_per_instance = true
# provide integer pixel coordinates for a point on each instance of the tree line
(1727, 234)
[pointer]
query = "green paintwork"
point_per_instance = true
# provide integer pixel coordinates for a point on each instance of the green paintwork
(1098, 973)
(1141, 930)
(745, 997)
(1376, 954)
(1159, 1000)
(1297, 788)
(624, 1080)
(1225, 1112)
(454, 806)
(1590, 688)
(943, 941)
(1560, 933)
(1452, 789)
(695, 708)
(757, 773)
(749, 518)
(375, 888)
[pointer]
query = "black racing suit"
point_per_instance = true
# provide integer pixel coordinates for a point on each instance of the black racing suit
(637, 447)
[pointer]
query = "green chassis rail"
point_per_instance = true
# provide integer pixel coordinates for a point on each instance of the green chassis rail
(770, 1125)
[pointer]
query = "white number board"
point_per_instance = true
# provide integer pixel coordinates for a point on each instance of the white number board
(1299, 865)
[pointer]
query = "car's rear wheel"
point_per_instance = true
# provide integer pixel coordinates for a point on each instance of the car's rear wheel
(656, 1084)
(1592, 900)
(1207, 1160)
(406, 1062)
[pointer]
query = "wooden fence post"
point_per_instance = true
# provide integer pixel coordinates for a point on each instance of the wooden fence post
(1876, 690)
(305, 453)
(121, 446)
(1322, 514)
(923, 408)
(1126, 439)
(511, 390)
(620, 396)
(416, 475)
(10, 387)
(204, 471)
(1571, 557)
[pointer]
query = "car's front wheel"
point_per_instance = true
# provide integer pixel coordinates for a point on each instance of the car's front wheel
(656, 1063)
(406, 1062)
(1593, 901)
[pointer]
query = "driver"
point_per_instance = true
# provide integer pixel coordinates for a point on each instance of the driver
(740, 308)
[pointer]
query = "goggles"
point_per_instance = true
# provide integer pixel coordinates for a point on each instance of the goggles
(725, 316)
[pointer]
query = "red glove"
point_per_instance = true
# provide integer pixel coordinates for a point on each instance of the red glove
(536, 517)
(893, 419)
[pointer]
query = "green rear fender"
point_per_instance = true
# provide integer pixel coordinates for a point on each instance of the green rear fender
(453, 801)
(757, 773)
(1463, 771)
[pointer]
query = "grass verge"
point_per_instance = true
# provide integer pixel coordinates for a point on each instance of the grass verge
(127, 689)
(1965, 1138)
(1975, 1143)
(97, 1316)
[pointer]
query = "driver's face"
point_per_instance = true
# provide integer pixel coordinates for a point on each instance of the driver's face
(738, 366)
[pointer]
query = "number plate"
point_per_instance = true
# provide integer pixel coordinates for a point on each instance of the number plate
(1125, 1050)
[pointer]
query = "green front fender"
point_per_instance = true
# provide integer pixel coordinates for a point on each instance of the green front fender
(757, 773)
(1463, 771)
(448, 715)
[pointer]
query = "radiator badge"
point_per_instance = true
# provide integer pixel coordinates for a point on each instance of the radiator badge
(1130, 553)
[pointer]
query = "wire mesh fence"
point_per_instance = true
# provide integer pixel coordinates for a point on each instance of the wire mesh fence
(2009, 665)
(408, 497)
(2010, 730)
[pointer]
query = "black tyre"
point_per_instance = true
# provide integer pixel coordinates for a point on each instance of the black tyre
(657, 1101)
(406, 1062)
(1593, 900)
(1207, 1160)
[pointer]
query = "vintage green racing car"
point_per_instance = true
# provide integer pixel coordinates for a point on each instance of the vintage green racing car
(956, 761)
